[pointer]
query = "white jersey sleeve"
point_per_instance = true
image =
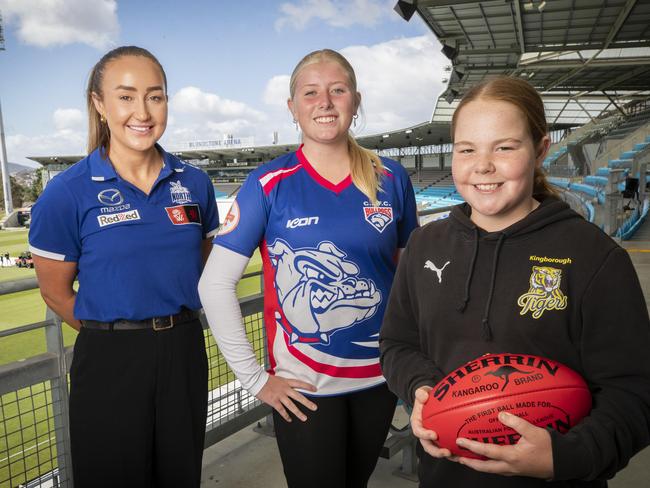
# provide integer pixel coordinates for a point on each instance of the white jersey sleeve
(217, 289)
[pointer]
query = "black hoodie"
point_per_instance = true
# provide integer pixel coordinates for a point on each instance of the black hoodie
(461, 292)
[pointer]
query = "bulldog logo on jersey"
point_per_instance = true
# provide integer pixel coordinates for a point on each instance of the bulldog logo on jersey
(378, 217)
(544, 292)
(179, 193)
(320, 291)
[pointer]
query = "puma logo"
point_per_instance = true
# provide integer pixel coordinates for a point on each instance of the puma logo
(438, 271)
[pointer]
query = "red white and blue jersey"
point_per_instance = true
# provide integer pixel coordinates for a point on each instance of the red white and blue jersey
(329, 257)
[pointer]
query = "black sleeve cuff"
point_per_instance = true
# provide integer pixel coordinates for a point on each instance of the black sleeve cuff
(572, 460)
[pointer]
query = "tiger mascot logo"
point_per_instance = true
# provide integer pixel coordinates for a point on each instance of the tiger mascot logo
(544, 292)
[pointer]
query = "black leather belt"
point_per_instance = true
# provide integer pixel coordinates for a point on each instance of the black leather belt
(155, 323)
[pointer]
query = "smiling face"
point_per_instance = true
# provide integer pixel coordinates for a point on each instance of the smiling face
(134, 103)
(493, 162)
(324, 102)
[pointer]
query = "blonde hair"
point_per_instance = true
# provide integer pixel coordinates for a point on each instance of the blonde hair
(522, 95)
(366, 168)
(98, 133)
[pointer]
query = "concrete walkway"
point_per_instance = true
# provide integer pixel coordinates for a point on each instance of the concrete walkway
(251, 460)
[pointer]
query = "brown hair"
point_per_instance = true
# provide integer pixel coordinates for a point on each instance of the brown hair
(98, 133)
(366, 168)
(522, 95)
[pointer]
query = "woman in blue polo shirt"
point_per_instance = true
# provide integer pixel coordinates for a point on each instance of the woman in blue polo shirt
(134, 225)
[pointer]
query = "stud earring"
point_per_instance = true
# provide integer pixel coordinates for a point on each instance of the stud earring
(102, 119)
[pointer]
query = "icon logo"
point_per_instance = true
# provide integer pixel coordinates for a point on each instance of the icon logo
(301, 222)
(434, 268)
(111, 197)
(179, 193)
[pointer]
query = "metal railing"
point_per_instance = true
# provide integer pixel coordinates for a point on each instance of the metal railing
(34, 432)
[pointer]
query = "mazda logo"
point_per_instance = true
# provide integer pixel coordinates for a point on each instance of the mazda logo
(110, 197)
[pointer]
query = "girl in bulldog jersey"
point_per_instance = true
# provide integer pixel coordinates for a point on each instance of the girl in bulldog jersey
(515, 270)
(329, 220)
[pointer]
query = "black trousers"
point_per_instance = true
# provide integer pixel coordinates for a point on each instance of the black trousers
(138, 406)
(339, 444)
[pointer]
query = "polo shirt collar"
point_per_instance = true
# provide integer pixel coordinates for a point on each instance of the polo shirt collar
(101, 168)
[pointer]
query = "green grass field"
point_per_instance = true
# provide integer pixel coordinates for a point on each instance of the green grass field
(27, 443)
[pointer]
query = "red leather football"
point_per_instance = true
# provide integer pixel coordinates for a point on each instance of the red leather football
(467, 401)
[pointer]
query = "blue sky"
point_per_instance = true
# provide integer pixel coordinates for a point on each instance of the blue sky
(227, 64)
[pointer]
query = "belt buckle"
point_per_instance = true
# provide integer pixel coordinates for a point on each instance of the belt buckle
(157, 328)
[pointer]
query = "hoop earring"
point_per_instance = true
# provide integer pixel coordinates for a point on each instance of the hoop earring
(354, 119)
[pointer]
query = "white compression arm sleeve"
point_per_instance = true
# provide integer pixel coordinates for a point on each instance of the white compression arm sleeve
(218, 292)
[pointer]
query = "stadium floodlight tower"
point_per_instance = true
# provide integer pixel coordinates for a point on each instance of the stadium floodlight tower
(6, 179)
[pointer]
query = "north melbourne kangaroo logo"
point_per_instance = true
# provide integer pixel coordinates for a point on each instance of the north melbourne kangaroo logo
(320, 291)
(438, 271)
(504, 373)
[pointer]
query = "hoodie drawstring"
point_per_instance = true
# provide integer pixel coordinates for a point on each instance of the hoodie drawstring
(486, 331)
(468, 282)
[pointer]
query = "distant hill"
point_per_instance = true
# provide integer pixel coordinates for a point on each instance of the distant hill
(19, 168)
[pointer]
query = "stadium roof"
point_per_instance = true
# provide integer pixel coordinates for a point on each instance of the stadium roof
(593, 53)
(424, 134)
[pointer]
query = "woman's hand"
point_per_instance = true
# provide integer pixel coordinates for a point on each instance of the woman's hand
(427, 437)
(530, 456)
(280, 393)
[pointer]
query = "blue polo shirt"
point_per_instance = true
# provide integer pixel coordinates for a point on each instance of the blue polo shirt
(138, 255)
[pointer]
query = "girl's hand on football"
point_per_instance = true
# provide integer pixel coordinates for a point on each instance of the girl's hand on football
(531, 456)
(427, 438)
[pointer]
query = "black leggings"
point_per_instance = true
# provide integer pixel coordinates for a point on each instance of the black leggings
(339, 444)
(138, 405)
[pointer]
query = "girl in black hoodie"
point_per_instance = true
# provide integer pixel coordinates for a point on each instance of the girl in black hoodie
(464, 287)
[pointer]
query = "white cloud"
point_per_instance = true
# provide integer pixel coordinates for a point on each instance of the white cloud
(194, 101)
(45, 23)
(68, 118)
(276, 91)
(337, 13)
(399, 81)
(64, 142)
(199, 115)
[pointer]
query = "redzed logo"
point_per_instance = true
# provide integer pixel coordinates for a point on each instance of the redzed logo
(116, 218)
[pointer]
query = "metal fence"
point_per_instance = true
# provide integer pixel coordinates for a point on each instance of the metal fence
(34, 436)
